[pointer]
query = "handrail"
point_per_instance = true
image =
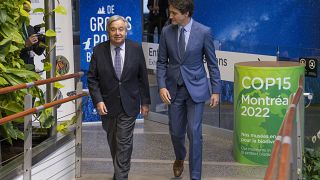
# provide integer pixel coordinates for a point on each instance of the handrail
(273, 163)
(29, 110)
(279, 160)
(39, 82)
(39, 108)
(286, 140)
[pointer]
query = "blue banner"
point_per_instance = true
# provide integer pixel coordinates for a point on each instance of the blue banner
(288, 29)
(93, 21)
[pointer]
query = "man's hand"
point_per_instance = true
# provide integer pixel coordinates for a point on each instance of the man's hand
(165, 95)
(144, 110)
(214, 100)
(33, 39)
(102, 109)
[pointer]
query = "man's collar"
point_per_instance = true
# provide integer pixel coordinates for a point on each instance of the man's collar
(122, 46)
(188, 26)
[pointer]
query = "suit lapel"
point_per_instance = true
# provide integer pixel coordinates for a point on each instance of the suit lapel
(192, 38)
(108, 58)
(126, 61)
(175, 35)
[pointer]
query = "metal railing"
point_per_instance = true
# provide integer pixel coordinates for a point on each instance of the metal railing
(286, 156)
(29, 110)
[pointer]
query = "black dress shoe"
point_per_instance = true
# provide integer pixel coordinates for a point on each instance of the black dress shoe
(178, 168)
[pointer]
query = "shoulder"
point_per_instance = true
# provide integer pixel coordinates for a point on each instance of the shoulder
(201, 26)
(101, 46)
(169, 29)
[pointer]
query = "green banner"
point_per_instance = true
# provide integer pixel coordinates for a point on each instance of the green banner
(261, 98)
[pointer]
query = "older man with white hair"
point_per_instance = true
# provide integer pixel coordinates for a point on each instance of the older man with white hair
(119, 88)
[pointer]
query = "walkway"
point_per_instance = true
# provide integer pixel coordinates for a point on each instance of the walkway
(153, 156)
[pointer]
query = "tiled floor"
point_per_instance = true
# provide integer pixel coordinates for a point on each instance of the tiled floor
(153, 156)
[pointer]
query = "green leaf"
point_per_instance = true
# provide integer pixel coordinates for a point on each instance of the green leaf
(4, 50)
(47, 66)
(5, 133)
(9, 31)
(3, 16)
(2, 57)
(46, 119)
(16, 37)
(38, 10)
(23, 73)
(60, 10)
(11, 106)
(58, 85)
(29, 67)
(11, 131)
(37, 103)
(50, 33)
(20, 134)
(3, 68)
(13, 48)
(5, 41)
(24, 13)
(63, 126)
(3, 82)
(16, 64)
(14, 80)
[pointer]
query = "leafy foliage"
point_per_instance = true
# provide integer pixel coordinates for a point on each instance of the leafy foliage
(63, 127)
(13, 71)
(311, 159)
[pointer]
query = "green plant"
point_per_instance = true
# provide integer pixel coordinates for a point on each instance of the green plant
(311, 159)
(13, 71)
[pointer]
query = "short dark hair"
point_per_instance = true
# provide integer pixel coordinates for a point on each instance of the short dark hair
(183, 6)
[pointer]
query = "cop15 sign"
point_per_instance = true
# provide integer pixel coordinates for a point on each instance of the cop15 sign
(262, 93)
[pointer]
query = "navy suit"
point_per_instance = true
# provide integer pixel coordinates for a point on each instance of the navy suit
(187, 101)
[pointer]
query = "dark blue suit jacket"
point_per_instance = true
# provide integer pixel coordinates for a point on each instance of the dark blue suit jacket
(191, 65)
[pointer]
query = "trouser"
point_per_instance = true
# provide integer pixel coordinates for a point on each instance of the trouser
(185, 116)
(120, 138)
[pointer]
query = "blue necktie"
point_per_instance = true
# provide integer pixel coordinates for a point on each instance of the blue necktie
(117, 62)
(182, 43)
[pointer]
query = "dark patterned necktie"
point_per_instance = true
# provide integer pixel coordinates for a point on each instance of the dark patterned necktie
(117, 62)
(182, 43)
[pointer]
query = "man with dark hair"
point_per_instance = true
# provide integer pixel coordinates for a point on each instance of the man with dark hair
(119, 88)
(183, 83)
(157, 17)
(32, 43)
